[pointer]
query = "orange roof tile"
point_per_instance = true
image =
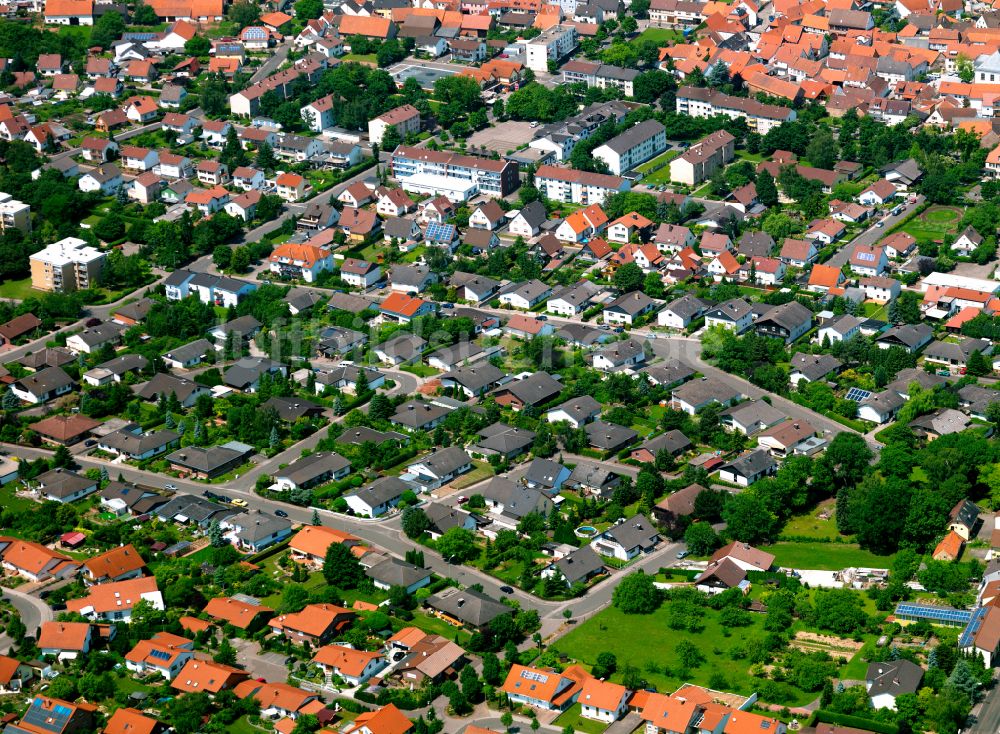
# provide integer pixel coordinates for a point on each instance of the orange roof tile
(115, 562)
(204, 675)
(64, 636)
(130, 721)
(313, 540)
(235, 612)
(345, 659)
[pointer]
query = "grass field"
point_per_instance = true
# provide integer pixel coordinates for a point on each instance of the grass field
(572, 717)
(480, 471)
(665, 36)
(17, 289)
(811, 526)
(360, 58)
(647, 642)
(420, 370)
(934, 223)
(662, 175)
(9, 500)
(825, 556)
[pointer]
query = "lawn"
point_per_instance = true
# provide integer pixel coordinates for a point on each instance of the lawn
(875, 310)
(662, 174)
(480, 471)
(647, 642)
(573, 718)
(810, 525)
(826, 556)
(436, 626)
(17, 290)
(9, 500)
(934, 223)
(420, 370)
(664, 36)
(360, 58)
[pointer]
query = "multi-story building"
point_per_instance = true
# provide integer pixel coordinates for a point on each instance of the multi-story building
(634, 146)
(577, 187)
(559, 139)
(405, 119)
(760, 117)
(699, 161)
(676, 13)
(551, 45)
(458, 177)
(14, 214)
(602, 76)
(67, 265)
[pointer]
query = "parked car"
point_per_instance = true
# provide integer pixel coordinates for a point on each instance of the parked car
(281, 513)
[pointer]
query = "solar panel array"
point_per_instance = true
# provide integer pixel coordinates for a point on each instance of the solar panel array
(931, 613)
(46, 719)
(160, 654)
(857, 394)
(971, 629)
(438, 232)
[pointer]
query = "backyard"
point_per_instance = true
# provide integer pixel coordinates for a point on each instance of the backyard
(662, 36)
(17, 289)
(661, 163)
(933, 223)
(825, 556)
(648, 643)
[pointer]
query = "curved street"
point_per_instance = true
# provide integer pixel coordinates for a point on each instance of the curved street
(32, 609)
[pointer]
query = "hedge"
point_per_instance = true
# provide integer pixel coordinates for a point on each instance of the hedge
(832, 717)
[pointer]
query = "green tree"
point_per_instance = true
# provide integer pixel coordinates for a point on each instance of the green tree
(629, 277)
(198, 46)
(636, 594)
(748, 520)
(415, 522)
(341, 568)
(767, 191)
(701, 539)
(457, 545)
(108, 29)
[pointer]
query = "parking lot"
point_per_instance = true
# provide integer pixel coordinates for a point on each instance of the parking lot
(506, 136)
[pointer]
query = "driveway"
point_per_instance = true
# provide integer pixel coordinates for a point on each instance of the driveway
(269, 665)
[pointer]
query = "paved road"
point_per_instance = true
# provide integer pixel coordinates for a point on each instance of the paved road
(986, 720)
(33, 610)
(872, 235)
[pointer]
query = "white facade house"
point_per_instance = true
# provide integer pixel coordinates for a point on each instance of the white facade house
(634, 146)
(550, 45)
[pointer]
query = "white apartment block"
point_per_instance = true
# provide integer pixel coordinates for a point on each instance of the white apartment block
(634, 146)
(551, 44)
(14, 214)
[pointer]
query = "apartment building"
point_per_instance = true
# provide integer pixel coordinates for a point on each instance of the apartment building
(405, 119)
(634, 146)
(577, 187)
(760, 117)
(676, 13)
(67, 265)
(699, 161)
(602, 76)
(560, 138)
(458, 177)
(551, 44)
(14, 214)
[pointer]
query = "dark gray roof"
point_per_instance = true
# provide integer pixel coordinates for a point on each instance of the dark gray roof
(394, 572)
(504, 439)
(240, 326)
(382, 490)
(101, 334)
(468, 605)
(637, 531)
(632, 304)
(687, 306)
(731, 310)
(518, 500)
(673, 441)
(668, 374)
(357, 435)
(609, 436)
(416, 413)
(204, 459)
(580, 564)
(815, 366)
(406, 346)
(535, 389)
(410, 275)
(456, 353)
(131, 440)
(966, 512)
(197, 348)
(308, 468)
(543, 472)
(445, 461)
(443, 518)
(788, 315)
(62, 483)
(580, 407)
(893, 677)
(52, 357)
(959, 351)
(248, 370)
(620, 352)
(534, 214)
(475, 377)
(752, 463)
(635, 135)
(258, 526)
(290, 409)
(45, 380)
(164, 384)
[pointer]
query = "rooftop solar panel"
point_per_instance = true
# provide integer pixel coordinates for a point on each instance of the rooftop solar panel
(857, 394)
(969, 633)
